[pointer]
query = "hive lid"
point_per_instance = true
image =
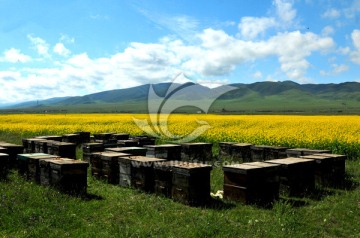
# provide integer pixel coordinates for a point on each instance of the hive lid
(290, 161)
(110, 155)
(3, 155)
(196, 143)
(317, 157)
(335, 156)
(262, 164)
(242, 144)
(145, 159)
(241, 168)
(26, 156)
(66, 161)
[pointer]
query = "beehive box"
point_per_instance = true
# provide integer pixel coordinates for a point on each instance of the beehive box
(63, 149)
(164, 151)
(103, 136)
(125, 171)
(226, 148)
(3, 150)
(110, 166)
(31, 144)
(84, 136)
(110, 143)
(191, 183)
(89, 148)
(45, 172)
(252, 183)
(44, 146)
(4, 165)
(33, 172)
(120, 136)
(128, 143)
(145, 140)
(135, 151)
(51, 137)
(275, 152)
(25, 144)
(241, 152)
(69, 176)
(96, 164)
(297, 152)
(72, 138)
(196, 152)
(338, 168)
(142, 172)
(12, 150)
(297, 176)
(258, 152)
(23, 162)
(322, 169)
(163, 177)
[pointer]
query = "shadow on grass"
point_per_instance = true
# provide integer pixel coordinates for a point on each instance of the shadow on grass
(294, 202)
(90, 197)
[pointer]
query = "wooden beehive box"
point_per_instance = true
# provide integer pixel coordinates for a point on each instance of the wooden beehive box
(4, 165)
(297, 176)
(34, 171)
(3, 150)
(89, 148)
(322, 169)
(145, 140)
(45, 172)
(72, 138)
(25, 143)
(125, 171)
(142, 172)
(103, 136)
(96, 164)
(23, 162)
(12, 150)
(63, 149)
(164, 151)
(226, 148)
(241, 152)
(69, 176)
(110, 143)
(128, 143)
(135, 151)
(84, 136)
(120, 136)
(163, 177)
(275, 152)
(196, 152)
(297, 152)
(191, 183)
(31, 144)
(51, 137)
(338, 168)
(252, 183)
(258, 153)
(110, 166)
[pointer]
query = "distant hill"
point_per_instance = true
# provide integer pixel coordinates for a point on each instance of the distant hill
(260, 97)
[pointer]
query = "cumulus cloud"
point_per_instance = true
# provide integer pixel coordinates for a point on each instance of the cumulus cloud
(251, 27)
(331, 13)
(60, 49)
(327, 30)
(335, 69)
(285, 10)
(257, 75)
(15, 56)
(40, 45)
(355, 55)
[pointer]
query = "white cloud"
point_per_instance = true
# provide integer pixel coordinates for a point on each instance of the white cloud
(213, 83)
(327, 30)
(251, 27)
(331, 13)
(336, 69)
(257, 75)
(60, 49)
(15, 56)
(355, 55)
(40, 45)
(285, 10)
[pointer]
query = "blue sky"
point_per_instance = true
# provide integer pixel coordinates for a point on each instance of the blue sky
(67, 48)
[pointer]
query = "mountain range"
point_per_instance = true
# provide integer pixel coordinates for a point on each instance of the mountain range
(260, 97)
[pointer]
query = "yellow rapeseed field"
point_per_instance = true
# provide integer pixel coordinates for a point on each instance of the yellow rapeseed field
(341, 134)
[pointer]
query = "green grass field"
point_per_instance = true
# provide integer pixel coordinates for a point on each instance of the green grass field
(30, 210)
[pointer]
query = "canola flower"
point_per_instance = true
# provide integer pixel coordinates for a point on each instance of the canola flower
(341, 134)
